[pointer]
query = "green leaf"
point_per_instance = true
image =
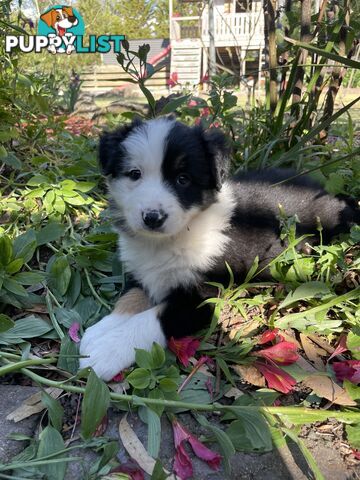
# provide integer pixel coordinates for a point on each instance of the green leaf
(157, 355)
(139, 378)
(353, 435)
(29, 278)
(332, 56)
(12, 161)
(304, 292)
(5, 323)
(154, 433)
(6, 250)
(174, 104)
(55, 410)
(67, 317)
(37, 180)
(157, 394)
(28, 327)
(307, 455)
(25, 246)
(94, 406)
(75, 200)
(226, 446)
(67, 359)
(255, 427)
(353, 344)
(149, 97)
(158, 473)
(51, 442)
(51, 233)
(60, 274)
(14, 266)
(14, 287)
(143, 358)
(352, 390)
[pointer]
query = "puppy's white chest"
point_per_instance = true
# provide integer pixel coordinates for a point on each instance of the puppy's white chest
(158, 269)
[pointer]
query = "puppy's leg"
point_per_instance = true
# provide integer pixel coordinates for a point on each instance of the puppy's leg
(110, 350)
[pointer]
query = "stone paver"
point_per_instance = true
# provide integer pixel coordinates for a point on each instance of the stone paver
(11, 397)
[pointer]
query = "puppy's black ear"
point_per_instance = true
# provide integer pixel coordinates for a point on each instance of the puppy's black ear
(219, 155)
(111, 150)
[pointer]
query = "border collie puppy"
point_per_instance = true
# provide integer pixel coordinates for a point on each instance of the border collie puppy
(180, 218)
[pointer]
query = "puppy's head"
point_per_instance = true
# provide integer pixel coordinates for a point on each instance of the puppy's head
(162, 173)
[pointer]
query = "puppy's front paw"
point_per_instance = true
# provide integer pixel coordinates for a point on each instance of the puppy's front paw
(110, 344)
(100, 345)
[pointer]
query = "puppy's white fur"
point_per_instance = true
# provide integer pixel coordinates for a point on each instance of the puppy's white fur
(162, 264)
(110, 344)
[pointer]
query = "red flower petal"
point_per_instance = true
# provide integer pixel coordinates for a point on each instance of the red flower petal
(182, 463)
(283, 353)
(347, 370)
(276, 378)
(119, 377)
(341, 347)
(184, 348)
(212, 458)
(74, 332)
(182, 435)
(130, 468)
(268, 336)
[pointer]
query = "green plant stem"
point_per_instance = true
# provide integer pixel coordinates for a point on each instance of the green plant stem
(215, 407)
(52, 316)
(13, 367)
(93, 291)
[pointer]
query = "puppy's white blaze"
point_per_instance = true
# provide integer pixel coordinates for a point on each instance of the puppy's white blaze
(164, 263)
(110, 344)
(146, 144)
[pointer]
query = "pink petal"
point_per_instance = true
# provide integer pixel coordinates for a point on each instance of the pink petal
(341, 347)
(283, 353)
(212, 458)
(182, 463)
(276, 378)
(74, 332)
(347, 370)
(180, 433)
(119, 377)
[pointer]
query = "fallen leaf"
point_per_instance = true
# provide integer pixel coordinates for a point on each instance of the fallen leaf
(32, 405)
(136, 449)
(325, 387)
(313, 352)
(250, 374)
(233, 393)
(305, 365)
(322, 343)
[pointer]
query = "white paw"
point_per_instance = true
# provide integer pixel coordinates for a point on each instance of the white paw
(110, 344)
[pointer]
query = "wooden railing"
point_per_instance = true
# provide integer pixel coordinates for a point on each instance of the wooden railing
(234, 28)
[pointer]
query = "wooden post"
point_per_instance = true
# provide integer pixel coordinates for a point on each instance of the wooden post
(212, 51)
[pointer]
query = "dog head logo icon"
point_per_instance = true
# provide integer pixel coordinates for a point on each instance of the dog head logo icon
(63, 22)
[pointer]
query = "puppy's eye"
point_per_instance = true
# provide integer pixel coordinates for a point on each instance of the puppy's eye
(183, 180)
(134, 174)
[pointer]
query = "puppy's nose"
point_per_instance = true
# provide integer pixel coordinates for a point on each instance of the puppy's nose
(154, 218)
(72, 18)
